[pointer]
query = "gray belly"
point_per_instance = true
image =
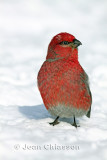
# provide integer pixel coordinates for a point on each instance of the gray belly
(66, 111)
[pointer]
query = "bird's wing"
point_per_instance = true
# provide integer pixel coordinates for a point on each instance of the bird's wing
(85, 79)
(89, 112)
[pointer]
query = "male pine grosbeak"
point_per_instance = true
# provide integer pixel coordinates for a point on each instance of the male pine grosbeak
(62, 82)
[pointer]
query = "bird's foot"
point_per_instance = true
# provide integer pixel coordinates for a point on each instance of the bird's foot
(55, 122)
(75, 125)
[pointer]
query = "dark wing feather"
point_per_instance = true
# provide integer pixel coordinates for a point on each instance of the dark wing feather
(85, 79)
(89, 112)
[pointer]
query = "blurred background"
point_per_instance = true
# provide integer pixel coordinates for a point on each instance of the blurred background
(26, 28)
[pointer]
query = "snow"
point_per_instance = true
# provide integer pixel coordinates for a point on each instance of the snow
(26, 28)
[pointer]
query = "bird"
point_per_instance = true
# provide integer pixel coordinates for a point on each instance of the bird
(62, 82)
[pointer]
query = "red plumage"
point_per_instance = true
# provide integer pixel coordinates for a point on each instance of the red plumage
(62, 82)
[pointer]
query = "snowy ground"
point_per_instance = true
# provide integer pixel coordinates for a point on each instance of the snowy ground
(26, 28)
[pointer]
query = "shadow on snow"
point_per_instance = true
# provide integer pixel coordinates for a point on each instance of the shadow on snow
(40, 112)
(34, 112)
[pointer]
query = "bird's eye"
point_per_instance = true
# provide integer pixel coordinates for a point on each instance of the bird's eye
(64, 43)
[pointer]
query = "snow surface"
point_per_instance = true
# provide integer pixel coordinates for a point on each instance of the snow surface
(26, 28)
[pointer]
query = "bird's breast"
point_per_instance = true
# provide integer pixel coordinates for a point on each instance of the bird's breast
(59, 82)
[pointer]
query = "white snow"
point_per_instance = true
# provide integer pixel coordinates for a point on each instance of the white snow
(26, 28)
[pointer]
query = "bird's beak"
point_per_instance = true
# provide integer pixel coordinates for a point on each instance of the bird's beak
(75, 43)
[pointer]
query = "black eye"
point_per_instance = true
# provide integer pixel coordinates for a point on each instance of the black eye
(65, 42)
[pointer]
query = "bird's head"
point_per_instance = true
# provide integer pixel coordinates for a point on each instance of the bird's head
(63, 45)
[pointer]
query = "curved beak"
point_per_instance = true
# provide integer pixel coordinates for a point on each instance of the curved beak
(75, 43)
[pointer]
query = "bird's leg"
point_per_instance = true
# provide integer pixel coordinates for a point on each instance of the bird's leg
(55, 122)
(74, 124)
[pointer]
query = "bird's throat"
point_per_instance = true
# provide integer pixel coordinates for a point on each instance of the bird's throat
(57, 53)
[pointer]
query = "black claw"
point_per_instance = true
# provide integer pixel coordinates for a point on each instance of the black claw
(55, 122)
(75, 125)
